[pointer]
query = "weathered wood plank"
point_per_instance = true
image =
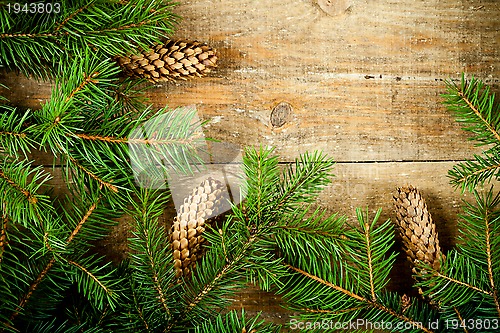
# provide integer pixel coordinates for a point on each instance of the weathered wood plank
(364, 85)
(371, 186)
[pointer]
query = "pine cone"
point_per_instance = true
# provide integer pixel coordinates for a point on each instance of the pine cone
(418, 231)
(186, 236)
(176, 59)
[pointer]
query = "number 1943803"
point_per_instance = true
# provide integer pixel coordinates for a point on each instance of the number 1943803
(34, 8)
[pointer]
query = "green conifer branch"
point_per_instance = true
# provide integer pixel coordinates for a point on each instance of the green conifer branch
(243, 245)
(366, 302)
(232, 322)
(212, 281)
(305, 234)
(261, 177)
(32, 287)
(72, 15)
(49, 265)
(14, 135)
(470, 174)
(461, 283)
(4, 221)
(349, 284)
(474, 105)
(35, 46)
(91, 175)
(88, 79)
(303, 181)
(151, 262)
(19, 187)
(91, 276)
(367, 246)
(471, 272)
(96, 281)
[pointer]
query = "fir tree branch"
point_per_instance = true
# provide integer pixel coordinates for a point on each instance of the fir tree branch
(491, 276)
(31, 197)
(87, 79)
(82, 222)
(367, 247)
(107, 27)
(310, 174)
(461, 283)
(305, 234)
(25, 298)
(102, 182)
(88, 273)
(370, 303)
(43, 273)
(459, 315)
(13, 131)
(469, 174)
(19, 186)
(3, 231)
(155, 278)
(329, 284)
(151, 261)
(224, 268)
(478, 114)
(228, 267)
(140, 312)
(367, 235)
(470, 272)
(473, 104)
(72, 15)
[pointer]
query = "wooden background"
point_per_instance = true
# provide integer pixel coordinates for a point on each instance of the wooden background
(363, 79)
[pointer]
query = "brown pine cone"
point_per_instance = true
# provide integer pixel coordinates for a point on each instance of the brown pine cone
(418, 231)
(186, 236)
(175, 59)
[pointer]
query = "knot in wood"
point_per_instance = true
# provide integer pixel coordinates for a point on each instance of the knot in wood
(280, 114)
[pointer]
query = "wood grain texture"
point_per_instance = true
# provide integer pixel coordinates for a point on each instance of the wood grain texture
(363, 79)
(365, 84)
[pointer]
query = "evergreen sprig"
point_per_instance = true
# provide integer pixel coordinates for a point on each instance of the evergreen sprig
(42, 263)
(35, 43)
(468, 283)
(14, 133)
(474, 105)
(152, 286)
(235, 322)
(243, 248)
(20, 185)
(51, 278)
(349, 288)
